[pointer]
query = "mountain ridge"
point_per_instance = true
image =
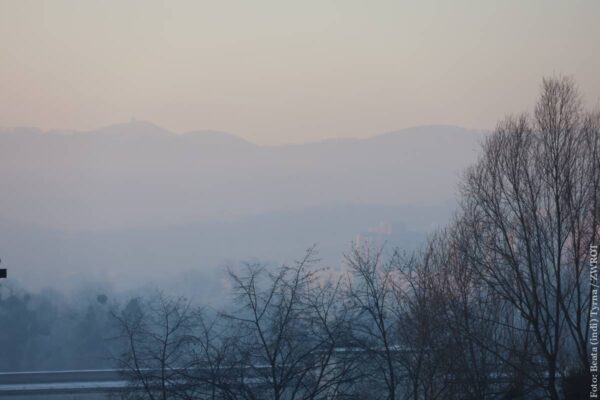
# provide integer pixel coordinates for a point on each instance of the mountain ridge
(135, 128)
(113, 206)
(109, 179)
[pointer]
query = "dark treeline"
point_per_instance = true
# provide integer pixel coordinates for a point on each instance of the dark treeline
(495, 306)
(47, 331)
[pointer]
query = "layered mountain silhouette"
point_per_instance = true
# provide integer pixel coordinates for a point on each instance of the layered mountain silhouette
(120, 197)
(138, 174)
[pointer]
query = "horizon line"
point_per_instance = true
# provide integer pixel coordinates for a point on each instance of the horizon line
(133, 121)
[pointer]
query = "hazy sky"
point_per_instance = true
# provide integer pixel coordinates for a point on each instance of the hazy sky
(283, 71)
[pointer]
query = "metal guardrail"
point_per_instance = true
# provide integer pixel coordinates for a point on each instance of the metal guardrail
(61, 382)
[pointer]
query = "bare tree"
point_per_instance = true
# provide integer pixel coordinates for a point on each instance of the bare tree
(286, 333)
(484, 352)
(375, 321)
(213, 370)
(421, 330)
(530, 212)
(158, 337)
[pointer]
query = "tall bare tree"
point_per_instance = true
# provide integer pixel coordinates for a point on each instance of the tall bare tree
(287, 331)
(376, 316)
(530, 214)
(158, 337)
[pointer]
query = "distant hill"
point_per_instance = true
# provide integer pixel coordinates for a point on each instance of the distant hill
(137, 174)
(134, 203)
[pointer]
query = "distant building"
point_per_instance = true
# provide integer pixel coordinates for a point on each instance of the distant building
(376, 236)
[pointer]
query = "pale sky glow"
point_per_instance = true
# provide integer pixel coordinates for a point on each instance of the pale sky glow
(285, 72)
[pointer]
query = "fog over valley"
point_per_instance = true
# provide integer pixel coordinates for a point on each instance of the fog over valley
(133, 204)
